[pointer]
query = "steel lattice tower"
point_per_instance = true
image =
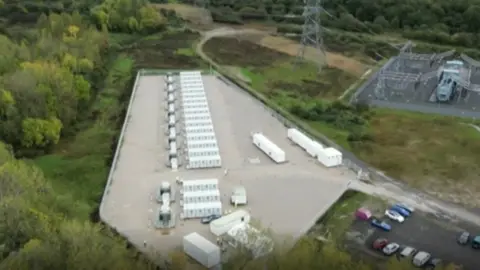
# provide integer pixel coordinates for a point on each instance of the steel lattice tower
(201, 3)
(312, 31)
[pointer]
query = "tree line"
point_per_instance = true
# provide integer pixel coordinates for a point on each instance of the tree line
(447, 22)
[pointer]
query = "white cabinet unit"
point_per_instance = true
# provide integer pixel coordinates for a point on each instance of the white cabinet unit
(204, 162)
(171, 98)
(173, 150)
(195, 130)
(202, 144)
(222, 225)
(172, 134)
(171, 121)
(194, 111)
(202, 250)
(269, 148)
(200, 185)
(200, 210)
(174, 164)
(201, 196)
(330, 157)
(171, 109)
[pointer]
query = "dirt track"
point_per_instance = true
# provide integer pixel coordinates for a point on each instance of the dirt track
(259, 34)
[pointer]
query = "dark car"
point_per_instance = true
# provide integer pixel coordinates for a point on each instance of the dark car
(433, 263)
(463, 238)
(380, 243)
(381, 224)
(207, 220)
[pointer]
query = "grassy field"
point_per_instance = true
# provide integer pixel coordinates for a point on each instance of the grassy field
(439, 154)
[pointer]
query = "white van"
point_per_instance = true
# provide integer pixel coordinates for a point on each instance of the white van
(239, 196)
(421, 258)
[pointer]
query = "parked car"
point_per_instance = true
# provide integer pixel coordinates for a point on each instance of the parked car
(381, 224)
(406, 207)
(433, 263)
(463, 238)
(207, 220)
(400, 210)
(393, 215)
(476, 242)
(390, 249)
(380, 243)
(407, 252)
(421, 258)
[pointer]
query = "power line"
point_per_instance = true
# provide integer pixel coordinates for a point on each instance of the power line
(312, 32)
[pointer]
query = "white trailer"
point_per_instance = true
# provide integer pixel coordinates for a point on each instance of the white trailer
(200, 184)
(269, 148)
(314, 149)
(330, 157)
(224, 224)
(299, 138)
(202, 250)
(201, 196)
(310, 146)
(200, 210)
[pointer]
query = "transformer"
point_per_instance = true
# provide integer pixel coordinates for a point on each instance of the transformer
(449, 77)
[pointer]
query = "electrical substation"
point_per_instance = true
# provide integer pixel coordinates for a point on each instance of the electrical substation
(445, 83)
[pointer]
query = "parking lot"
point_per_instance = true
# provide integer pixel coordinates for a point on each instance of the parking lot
(424, 233)
(287, 198)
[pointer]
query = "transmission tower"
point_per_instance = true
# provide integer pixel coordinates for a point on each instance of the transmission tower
(312, 31)
(201, 3)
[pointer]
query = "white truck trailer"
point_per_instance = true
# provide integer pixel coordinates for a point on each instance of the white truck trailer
(269, 148)
(202, 250)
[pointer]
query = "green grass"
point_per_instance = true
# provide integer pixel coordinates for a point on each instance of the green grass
(185, 52)
(437, 153)
(80, 181)
(339, 218)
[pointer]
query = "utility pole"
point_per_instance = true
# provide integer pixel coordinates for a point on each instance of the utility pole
(312, 32)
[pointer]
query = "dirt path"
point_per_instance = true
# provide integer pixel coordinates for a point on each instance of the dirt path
(290, 47)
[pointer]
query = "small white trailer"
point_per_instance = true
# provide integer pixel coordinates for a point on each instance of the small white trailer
(202, 250)
(330, 157)
(269, 148)
(310, 146)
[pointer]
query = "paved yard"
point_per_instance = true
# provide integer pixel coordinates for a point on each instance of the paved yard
(426, 233)
(287, 198)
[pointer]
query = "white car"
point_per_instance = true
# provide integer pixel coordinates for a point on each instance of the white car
(394, 216)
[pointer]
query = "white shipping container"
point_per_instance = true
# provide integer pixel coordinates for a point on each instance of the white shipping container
(224, 224)
(203, 162)
(202, 250)
(200, 185)
(194, 111)
(314, 149)
(204, 129)
(198, 123)
(269, 148)
(299, 138)
(201, 196)
(330, 157)
(202, 144)
(200, 210)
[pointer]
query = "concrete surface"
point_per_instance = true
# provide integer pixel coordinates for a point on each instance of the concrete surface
(286, 198)
(424, 233)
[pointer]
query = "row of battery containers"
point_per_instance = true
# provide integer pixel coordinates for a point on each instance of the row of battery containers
(203, 152)
(200, 185)
(202, 196)
(201, 144)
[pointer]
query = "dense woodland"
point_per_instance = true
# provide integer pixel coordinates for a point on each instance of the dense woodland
(62, 80)
(448, 22)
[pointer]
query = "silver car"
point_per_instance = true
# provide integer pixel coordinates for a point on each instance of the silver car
(390, 248)
(421, 258)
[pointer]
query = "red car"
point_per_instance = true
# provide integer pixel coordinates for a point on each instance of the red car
(380, 243)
